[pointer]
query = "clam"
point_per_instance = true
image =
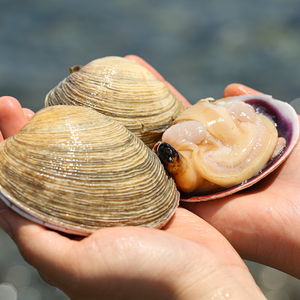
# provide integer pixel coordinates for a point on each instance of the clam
(122, 90)
(75, 170)
(219, 147)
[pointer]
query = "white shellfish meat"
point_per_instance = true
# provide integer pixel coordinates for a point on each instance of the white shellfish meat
(218, 147)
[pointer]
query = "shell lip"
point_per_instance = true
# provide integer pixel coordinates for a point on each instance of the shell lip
(7, 199)
(287, 123)
(271, 166)
(82, 199)
(74, 230)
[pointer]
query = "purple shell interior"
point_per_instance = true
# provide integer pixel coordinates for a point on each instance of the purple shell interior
(283, 124)
(286, 120)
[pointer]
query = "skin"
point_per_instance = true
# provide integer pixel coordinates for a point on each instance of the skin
(262, 222)
(187, 259)
(13, 114)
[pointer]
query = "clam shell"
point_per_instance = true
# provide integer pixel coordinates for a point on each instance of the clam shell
(75, 170)
(287, 124)
(122, 90)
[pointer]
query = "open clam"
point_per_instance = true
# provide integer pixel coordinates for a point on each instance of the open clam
(219, 147)
(122, 90)
(73, 169)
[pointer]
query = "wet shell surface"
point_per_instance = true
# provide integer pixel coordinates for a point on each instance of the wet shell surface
(122, 90)
(75, 170)
(219, 147)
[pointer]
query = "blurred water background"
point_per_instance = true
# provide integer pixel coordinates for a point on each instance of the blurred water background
(198, 46)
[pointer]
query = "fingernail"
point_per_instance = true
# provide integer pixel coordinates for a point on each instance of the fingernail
(4, 225)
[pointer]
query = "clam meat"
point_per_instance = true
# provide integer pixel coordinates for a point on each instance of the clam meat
(218, 147)
(122, 90)
(75, 170)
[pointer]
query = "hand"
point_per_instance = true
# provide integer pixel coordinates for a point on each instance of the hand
(262, 222)
(137, 263)
(188, 259)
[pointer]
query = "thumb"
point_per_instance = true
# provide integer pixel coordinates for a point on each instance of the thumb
(12, 117)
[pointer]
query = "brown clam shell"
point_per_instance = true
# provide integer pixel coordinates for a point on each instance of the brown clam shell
(122, 90)
(73, 169)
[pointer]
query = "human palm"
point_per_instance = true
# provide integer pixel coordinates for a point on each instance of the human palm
(261, 222)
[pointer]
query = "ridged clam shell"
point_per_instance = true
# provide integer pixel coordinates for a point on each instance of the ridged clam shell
(75, 170)
(122, 90)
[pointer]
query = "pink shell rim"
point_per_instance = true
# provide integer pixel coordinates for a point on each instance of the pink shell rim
(285, 113)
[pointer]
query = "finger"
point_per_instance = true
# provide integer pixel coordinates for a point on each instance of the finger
(237, 89)
(28, 113)
(4, 225)
(143, 63)
(189, 226)
(12, 118)
(44, 249)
